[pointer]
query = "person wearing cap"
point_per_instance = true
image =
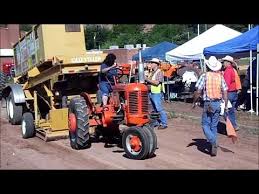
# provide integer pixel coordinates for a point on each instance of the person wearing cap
(230, 77)
(157, 88)
(214, 89)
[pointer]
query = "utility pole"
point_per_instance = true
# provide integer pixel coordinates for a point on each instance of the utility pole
(188, 35)
(94, 40)
(95, 34)
(198, 29)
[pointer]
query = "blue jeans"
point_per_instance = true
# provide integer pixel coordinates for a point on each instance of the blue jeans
(232, 97)
(210, 121)
(105, 88)
(156, 101)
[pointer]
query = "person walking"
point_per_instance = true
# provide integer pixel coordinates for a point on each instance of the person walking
(214, 89)
(230, 79)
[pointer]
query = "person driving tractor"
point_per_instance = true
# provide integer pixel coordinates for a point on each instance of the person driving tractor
(106, 79)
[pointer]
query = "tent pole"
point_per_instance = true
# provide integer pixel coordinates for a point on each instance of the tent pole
(168, 87)
(257, 79)
(251, 82)
(202, 62)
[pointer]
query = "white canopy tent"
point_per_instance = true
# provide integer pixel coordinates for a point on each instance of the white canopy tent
(193, 49)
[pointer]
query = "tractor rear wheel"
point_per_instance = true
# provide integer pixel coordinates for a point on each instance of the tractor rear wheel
(14, 111)
(135, 142)
(153, 139)
(79, 133)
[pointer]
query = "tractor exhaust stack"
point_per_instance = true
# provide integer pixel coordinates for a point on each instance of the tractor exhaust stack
(141, 70)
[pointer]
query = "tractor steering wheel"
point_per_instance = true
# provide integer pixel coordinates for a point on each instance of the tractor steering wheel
(119, 72)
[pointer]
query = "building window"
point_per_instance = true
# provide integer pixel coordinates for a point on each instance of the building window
(72, 27)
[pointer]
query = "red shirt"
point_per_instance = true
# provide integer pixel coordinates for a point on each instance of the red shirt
(229, 76)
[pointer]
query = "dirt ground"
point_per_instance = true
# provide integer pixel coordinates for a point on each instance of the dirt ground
(181, 146)
(245, 119)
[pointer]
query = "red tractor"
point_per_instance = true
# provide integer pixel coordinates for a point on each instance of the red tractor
(128, 106)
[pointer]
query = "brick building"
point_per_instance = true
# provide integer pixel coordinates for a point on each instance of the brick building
(123, 55)
(9, 35)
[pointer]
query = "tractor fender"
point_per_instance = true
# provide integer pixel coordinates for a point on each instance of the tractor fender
(17, 91)
(88, 101)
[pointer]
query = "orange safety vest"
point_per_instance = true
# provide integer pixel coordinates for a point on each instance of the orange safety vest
(213, 85)
(237, 81)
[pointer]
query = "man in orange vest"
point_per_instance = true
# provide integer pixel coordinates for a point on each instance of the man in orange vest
(214, 89)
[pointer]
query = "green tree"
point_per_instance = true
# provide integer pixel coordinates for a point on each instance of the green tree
(95, 36)
(26, 27)
(122, 34)
(239, 27)
(176, 33)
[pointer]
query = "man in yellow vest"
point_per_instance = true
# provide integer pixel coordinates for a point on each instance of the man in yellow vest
(157, 88)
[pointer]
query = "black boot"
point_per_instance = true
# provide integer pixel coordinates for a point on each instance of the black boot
(214, 150)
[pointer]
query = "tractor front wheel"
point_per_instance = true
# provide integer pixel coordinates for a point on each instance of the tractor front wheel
(153, 139)
(135, 142)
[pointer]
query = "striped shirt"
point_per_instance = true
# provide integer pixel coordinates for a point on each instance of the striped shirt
(200, 85)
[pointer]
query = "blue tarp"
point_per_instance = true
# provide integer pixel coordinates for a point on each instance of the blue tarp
(157, 51)
(240, 45)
